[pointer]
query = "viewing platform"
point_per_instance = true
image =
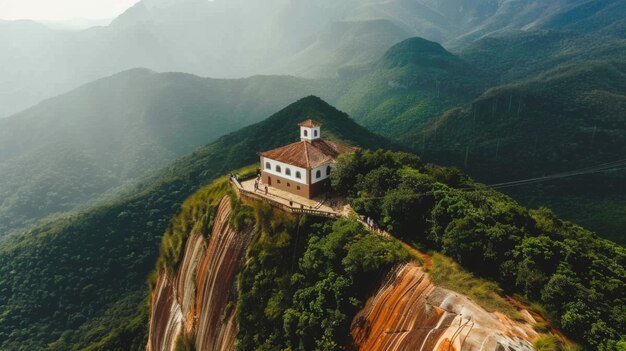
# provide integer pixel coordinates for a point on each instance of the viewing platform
(323, 205)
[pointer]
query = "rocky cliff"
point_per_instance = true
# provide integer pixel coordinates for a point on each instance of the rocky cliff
(408, 312)
(192, 305)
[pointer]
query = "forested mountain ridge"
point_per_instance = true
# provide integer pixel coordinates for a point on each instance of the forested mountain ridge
(299, 282)
(238, 38)
(572, 275)
(100, 137)
(83, 276)
(78, 146)
(563, 88)
(413, 82)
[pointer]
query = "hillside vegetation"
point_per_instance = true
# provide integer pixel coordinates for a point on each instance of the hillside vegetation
(578, 277)
(568, 119)
(76, 281)
(68, 151)
(415, 81)
(510, 106)
(304, 279)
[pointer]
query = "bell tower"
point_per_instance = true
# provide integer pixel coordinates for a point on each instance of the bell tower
(310, 130)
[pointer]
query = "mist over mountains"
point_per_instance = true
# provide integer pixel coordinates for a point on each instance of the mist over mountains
(119, 129)
(239, 38)
(110, 128)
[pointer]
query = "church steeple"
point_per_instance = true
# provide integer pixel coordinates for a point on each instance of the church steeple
(310, 130)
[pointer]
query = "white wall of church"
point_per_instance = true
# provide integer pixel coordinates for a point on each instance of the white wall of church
(323, 173)
(310, 133)
(283, 170)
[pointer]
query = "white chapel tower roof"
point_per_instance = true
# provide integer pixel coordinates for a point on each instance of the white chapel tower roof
(310, 130)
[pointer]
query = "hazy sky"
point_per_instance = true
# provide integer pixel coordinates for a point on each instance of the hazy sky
(62, 9)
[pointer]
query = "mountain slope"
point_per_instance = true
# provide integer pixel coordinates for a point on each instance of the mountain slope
(77, 146)
(414, 81)
(223, 238)
(238, 38)
(564, 89)
(82, 276)
(521, 55)
(568, 119)
(304, 281)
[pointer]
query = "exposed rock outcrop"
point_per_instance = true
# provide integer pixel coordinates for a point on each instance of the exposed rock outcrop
(408, 312)
(194, 301)
(195, 304)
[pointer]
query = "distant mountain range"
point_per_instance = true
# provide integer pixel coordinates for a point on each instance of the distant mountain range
(68, 151)
(560, 90)
(238, 38)
(89, 179)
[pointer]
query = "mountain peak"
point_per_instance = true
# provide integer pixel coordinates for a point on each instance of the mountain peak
(418, 51)
(338, 125)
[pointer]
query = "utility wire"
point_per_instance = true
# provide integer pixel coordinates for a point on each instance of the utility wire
(605, 167)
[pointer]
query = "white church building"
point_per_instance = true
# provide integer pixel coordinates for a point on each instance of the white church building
(302, 168)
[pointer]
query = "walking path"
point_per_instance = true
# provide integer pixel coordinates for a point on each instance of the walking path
(326, 207)
(321, 206)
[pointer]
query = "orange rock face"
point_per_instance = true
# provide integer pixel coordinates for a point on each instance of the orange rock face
(194, 301)
(408, 312)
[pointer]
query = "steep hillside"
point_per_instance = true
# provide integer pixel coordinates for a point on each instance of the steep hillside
(83, 275)
(197, 304)
(284, 265)
(568, 119)
(307, 283)
(191, 295)
(521, 55)
(413, 82)
(410, 312)
(77, 146)
(576, 276)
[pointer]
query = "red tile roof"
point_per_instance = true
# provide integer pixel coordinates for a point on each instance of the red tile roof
(308, 154)
(309, 123)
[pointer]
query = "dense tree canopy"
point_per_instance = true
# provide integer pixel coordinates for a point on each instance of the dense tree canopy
(579, 277)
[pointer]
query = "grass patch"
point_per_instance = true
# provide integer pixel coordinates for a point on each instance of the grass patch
(448, 274)
(196, 216)
(541, 327)
(547, 342)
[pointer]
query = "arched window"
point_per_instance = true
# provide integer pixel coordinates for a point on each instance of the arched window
(288, 171)
(278, 168)
(318, 174)
(298, 175)
(315, 133)
(268, 165)
(328, 170)
(306, 133)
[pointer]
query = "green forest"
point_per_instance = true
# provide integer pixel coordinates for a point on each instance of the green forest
(47, 302)
(103, 179)
(579, 278)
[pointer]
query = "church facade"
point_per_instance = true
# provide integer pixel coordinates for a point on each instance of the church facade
(302, 168)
